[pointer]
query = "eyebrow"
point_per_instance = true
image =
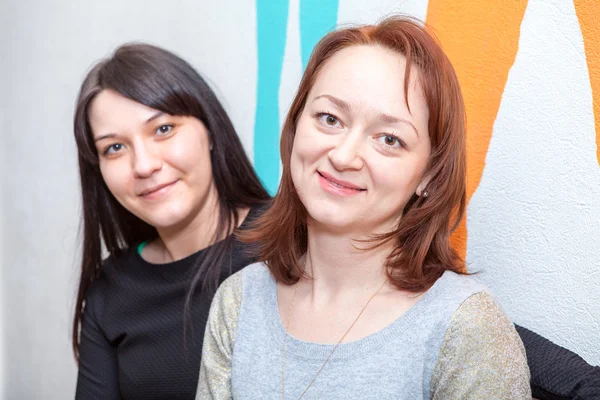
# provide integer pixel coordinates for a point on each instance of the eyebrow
(338, 102)
(158, 114)
(385, 118)
(107, 136)
(388, 119)
(154, 116)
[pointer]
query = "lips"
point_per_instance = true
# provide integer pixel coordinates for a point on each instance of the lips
(340, 183)
(155, 189)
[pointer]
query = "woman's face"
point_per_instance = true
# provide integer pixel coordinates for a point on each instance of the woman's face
(359, 154)
(156, 165)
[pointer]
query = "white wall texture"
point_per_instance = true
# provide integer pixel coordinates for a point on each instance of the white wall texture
(2, 229)
(533, 223)
(3, 102)
(4, 95)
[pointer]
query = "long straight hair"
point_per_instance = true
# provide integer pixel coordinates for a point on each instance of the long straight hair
(422, 250)
(160, 80)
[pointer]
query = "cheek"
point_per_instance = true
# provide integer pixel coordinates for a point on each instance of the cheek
(190, 153)
(301, 164)
(117, 177)
(397, 177)
(310, 145)
(296, 164)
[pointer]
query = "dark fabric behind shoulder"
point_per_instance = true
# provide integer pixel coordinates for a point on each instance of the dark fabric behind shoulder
(558, 373)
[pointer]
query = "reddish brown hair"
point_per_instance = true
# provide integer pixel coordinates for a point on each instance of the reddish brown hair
(422, 250)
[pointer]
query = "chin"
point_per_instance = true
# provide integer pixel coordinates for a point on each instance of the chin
(345, 220)
(166, 218)
(167, 225)
(333, 216)
(161, 222)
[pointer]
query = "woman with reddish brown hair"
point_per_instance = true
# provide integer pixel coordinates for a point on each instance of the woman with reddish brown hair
(359, 294)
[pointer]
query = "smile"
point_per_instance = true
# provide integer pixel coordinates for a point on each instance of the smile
(339, 187)
(157, 191)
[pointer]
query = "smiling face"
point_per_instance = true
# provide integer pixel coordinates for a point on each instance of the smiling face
(359, 154)
(156, 165)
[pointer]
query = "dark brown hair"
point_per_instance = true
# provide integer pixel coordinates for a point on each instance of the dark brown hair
(422, 250)
(161, 80)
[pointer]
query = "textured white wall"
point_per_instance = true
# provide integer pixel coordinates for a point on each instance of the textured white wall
(2, 263)
(534, 221)
(356, 11)
(3, 102)
(4, 95)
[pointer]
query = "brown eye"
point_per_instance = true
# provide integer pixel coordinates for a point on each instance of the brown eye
(113, 149)
(390, 140)
(164, 130)
(329, 120)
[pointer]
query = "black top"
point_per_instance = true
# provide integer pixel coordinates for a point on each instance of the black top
(557, 373)
(132, 333)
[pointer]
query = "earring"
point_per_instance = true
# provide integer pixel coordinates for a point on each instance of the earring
(425, 193)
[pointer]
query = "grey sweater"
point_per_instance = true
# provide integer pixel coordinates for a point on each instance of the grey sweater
(455, 343)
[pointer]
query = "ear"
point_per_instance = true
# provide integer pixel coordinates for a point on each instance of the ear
(422, 185)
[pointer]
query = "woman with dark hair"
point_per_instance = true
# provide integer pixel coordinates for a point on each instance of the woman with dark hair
(359, 294)
(165, 184)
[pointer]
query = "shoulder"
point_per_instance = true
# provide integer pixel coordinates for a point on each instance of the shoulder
(99, 290)
(221, 333)
(482, 354)
(457, 286)
(116, 263)
(481, 318)
(248, 278)
(225, 310)
(228, 298)
(248, 283)
(257, 273)
(447, 295)
(230, 288)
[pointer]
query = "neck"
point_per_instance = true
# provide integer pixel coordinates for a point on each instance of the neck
(193, 234)
(339, 263)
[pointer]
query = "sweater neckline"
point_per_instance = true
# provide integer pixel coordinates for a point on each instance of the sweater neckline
(305, 350)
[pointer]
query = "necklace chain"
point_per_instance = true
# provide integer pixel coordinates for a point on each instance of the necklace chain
(285, 334)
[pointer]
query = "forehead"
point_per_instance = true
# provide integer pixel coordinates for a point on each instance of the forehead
(368, 74)
(110, 111)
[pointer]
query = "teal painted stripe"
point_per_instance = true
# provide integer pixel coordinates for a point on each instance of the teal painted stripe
(317, 17)
(271, 24)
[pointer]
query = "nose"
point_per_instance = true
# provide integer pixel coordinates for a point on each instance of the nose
(146, 161)
(346, 155)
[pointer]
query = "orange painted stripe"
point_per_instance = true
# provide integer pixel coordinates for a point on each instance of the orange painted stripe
(588, 13)
(481, 38)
